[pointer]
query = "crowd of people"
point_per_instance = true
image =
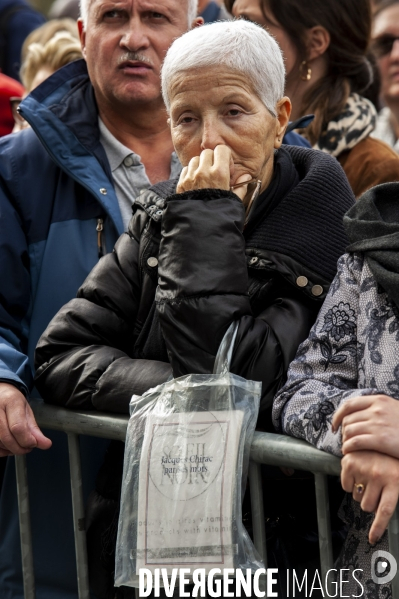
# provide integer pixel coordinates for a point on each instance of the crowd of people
(161, 178)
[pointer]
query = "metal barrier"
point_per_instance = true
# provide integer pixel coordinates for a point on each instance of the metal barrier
(267, 448)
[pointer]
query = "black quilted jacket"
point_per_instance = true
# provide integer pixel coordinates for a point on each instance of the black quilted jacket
(163, 299)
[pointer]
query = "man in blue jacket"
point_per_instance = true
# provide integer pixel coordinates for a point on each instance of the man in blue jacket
(99, 135)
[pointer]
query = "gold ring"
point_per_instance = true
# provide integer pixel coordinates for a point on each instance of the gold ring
(359, 488)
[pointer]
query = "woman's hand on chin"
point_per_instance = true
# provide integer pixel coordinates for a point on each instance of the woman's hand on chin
(369, 422)
(211, 170)
(373, 480)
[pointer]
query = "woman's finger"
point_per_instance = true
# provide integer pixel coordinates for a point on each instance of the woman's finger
(221, 164)
(242, 191)
(366, 442)
(180, 185)
(363, 427)
(193, 167)
(352, 405)
(206, 160)
(370, 496)
(386, 508)
(347, 479)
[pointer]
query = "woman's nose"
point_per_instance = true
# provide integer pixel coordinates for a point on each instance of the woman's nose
(211, 136)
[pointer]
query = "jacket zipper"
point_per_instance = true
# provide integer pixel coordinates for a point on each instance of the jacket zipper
(100, 229)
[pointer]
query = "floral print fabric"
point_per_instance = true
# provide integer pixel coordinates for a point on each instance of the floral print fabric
(351, 350)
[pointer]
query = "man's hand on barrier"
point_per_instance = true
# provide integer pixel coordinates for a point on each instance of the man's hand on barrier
(373, 480)
(369, 423)
(19, 433)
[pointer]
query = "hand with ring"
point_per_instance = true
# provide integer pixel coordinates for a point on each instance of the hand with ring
(373, 480)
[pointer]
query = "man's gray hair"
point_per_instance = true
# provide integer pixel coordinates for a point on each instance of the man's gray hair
(192, 10)
(237, 45)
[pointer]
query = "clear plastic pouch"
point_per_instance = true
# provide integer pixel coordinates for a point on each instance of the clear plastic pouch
(185, 470)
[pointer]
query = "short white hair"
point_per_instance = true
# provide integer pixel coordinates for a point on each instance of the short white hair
(192, 10)
(238, 45)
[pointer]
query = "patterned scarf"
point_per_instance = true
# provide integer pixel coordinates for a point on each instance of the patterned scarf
(355, 123)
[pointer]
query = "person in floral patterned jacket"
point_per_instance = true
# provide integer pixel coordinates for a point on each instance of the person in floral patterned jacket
(343, 386)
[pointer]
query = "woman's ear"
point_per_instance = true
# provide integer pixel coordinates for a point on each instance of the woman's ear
(317, 42)
(283, 109)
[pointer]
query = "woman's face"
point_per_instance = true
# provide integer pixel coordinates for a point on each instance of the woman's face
(252, 11)
(215, 106)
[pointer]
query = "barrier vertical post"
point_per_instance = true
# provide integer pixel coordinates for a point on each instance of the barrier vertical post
(78, 516)
(324, 524)
(393, 540)
(25, 527)
(258, 517)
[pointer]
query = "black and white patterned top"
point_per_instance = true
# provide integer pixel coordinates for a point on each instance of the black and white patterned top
(351, 350)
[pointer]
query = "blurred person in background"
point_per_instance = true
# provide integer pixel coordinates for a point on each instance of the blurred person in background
(385, 46)
(212, 11)
(64, 8)
(10, 90)
(17, 20)
(45, 32)
(41, 61)
(325, 44)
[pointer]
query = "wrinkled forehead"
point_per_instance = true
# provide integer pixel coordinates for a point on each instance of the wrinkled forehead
(172, 6)
(211, 84)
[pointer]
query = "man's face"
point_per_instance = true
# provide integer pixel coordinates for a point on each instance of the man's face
(124, 44)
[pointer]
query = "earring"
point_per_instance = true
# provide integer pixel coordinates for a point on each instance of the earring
(305, 71)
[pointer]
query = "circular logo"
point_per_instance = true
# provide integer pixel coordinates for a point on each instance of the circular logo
(383, 567)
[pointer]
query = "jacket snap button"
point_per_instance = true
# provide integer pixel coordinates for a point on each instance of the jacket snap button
(103, 191)
(253, 260)
(302, 281)
(152, 262)
(317, 290)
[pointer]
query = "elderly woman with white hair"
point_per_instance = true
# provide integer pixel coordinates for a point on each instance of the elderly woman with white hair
(251, 231)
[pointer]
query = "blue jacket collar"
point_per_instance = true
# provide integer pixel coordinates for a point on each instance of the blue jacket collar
(63, 113)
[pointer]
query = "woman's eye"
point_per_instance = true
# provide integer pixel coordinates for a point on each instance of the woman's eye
(234, 112)
(185, 120)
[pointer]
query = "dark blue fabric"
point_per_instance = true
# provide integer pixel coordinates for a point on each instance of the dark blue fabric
(50, 199)
(19, 26)
(294, 139)
(211, 12)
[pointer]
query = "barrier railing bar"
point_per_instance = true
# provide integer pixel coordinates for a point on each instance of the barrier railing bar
(258, 517)
(267, 448)
(25, 527)
(93, 424)
(324, 525)
(78, 516)
(279, 450)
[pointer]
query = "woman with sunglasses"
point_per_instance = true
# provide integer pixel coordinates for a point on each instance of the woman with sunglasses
(325, 44)
(385, 46)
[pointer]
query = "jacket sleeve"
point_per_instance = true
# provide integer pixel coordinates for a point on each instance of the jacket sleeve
(203, 287)
(325, 371)
(83, 358)
(15, 280)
